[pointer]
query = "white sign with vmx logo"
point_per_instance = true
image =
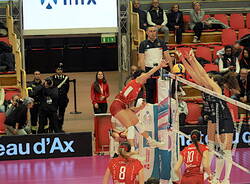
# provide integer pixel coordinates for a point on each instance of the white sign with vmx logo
(41, 17)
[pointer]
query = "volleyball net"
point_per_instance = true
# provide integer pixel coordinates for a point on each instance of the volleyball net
(190, 115)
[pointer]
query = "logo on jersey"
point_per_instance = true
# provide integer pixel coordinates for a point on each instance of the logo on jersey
(50, 4)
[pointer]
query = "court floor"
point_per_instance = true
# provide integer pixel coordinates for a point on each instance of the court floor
(81, 170)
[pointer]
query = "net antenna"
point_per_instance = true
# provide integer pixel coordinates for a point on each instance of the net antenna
(222, 97)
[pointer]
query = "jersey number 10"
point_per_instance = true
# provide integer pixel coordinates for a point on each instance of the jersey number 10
(190, 156)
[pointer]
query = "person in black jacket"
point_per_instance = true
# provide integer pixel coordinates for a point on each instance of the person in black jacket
(35, 109)
(61, 82)
(16, 121)
(142, 14)
(48, 106)
(175, 22)
(244, 83)
(157, 17)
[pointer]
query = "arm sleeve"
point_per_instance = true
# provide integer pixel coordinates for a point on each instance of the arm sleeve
(237, 66)
(181, 22)
(141, 48)
(107, 92)
(221, 69)
(170, 22)
(149, 19)
(165, 19)
(92, 94)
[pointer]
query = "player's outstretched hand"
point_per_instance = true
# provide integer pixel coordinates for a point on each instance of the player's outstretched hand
(164, 63)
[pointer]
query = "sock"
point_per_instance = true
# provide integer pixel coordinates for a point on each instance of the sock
(139, 127)
(131, 132)
(228, 165)
(163, 181)
(210, 153)
(116, 146)
(218, 167)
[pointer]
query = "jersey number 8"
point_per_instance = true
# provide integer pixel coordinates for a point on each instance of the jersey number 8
(122, 173)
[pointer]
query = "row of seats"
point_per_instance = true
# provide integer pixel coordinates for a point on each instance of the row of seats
(235, 21)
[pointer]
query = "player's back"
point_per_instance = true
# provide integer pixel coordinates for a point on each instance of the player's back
(193, 158)
(125, 171)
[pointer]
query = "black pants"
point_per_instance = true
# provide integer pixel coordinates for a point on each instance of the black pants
(151, 87)
(178, 33)
(200, 26)
(62, 105)
(103, 107)
(44, 116)
(34, 117)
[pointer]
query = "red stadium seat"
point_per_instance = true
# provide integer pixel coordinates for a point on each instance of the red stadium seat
(194, 112)
(237, 21)
(5, 39)
(243, 32)
(248, 21)
(211, 67)
(221, 17)
(204, 52)
(216, 48)
(183, 50)
(228, 37)
(206, 17)
(2, 120)
(9, 92)
(186, 19)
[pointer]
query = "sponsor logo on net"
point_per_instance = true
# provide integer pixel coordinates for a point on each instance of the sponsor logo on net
(50, 4)
(44, 146)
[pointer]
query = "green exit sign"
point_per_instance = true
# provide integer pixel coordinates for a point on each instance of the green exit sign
(108, 38)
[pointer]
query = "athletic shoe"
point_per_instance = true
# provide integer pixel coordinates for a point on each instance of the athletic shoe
(214, 181)
(155, 144)
(195, 40)
(138, 157)
(226, 181)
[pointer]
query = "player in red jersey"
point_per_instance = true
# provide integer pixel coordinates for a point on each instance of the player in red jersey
(194, 156)
(123, 169)
(127, 116)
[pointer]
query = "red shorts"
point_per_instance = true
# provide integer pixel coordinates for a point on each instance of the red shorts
(116, 107)
(194, 179)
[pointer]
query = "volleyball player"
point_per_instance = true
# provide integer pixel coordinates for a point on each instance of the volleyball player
(124, 169)
(127, 116)
(222, 117)
(195, 156)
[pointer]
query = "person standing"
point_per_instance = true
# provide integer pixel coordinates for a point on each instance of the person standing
(151, 52)
(158, 18)
(48, 94)
(35, 109)
(142, 14)
(16, 121)
(61, 81)
(100, 93)
(175, 22)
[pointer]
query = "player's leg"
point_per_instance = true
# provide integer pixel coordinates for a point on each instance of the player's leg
(219, 161)
(211, 127)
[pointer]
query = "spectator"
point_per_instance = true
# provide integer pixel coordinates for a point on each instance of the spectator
(229, 62)
(100, 93)
(35, 109)
(2, 96)
(245, 60)
(175, 22)
(157, 17)
(15, 99)
(151, 52)
(16, 121)
(197, 23)
(61, 81)
(48, 107)
(142, 14)
(244, 83)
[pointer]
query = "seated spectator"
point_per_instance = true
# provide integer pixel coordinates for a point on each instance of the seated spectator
(100, 93)
(142, 14)
(229, 62)
(175, 22)
(16, 121)
(198, 23)
(2, 96)
(157, 17)
(245, 60)
(244, 83)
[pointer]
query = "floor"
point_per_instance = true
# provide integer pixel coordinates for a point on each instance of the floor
(81, 170)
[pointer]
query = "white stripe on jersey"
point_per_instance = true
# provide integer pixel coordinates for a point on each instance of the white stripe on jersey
(128, 90)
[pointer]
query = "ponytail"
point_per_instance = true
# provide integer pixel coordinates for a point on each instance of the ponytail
(195, 137)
